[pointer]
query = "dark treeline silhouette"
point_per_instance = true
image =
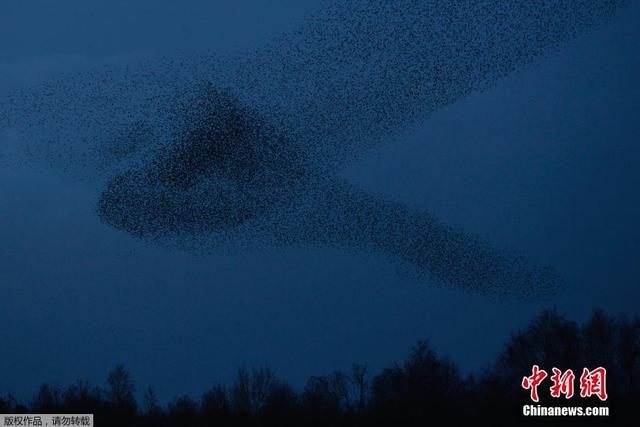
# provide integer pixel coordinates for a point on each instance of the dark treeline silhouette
(424, 390)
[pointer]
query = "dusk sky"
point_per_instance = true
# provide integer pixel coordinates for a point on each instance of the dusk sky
(543, 164)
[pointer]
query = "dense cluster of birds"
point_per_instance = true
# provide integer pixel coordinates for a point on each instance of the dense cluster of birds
(201, 149)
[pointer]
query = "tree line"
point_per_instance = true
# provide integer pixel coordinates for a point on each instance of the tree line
(426, 389)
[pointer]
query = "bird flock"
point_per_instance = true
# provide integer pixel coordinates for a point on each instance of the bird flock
(201, 149)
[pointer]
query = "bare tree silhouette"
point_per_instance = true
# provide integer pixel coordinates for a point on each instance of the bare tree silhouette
(424, 386)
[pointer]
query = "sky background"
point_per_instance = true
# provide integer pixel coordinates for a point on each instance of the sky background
(545, 162)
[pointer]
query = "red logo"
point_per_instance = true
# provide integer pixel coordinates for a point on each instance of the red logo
(592, 383)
